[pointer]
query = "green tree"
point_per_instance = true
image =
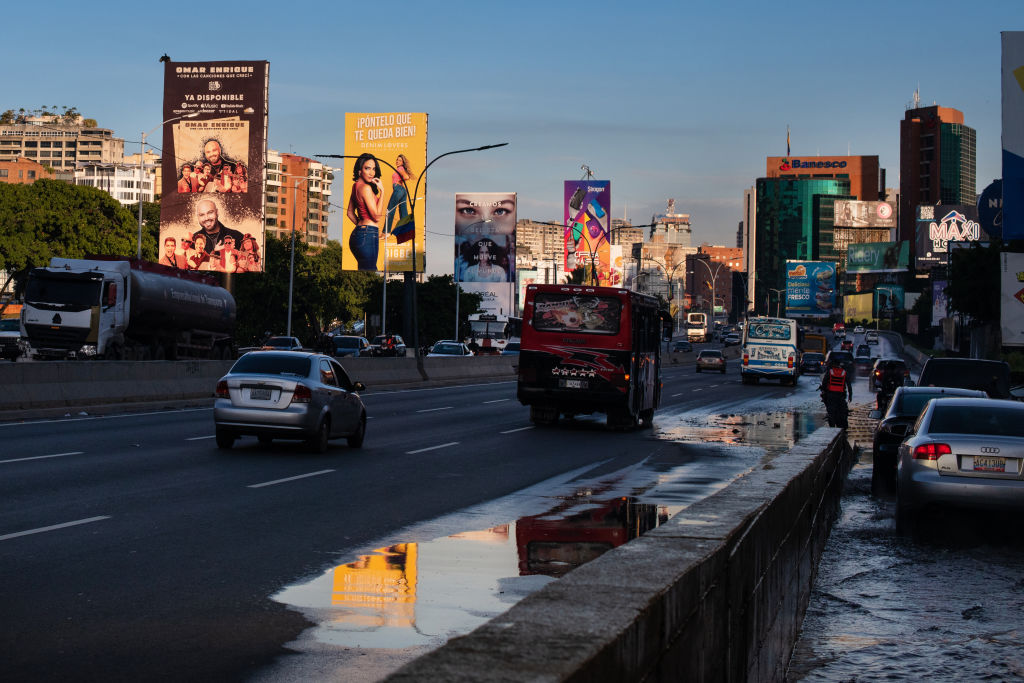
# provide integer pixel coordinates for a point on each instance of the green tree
(50, 218)
(7, 117)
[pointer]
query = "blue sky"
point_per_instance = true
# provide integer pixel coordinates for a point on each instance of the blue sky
(665, 99)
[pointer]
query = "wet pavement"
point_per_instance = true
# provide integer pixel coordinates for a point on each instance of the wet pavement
(945, 603)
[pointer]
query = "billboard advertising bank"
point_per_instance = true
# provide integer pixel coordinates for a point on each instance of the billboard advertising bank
(810, 288)
(214, 153)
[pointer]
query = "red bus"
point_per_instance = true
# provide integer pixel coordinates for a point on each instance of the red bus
(590, 350)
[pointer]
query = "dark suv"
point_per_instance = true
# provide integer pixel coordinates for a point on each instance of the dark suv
(990, 376)
(844, 358)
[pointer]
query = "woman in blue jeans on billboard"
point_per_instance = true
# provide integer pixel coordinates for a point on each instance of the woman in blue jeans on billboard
(365, 208)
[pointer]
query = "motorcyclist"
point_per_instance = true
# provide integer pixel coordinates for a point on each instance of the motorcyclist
(836, 388)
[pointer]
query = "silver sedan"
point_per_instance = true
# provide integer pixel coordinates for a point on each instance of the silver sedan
(289, 395)
(965, 452)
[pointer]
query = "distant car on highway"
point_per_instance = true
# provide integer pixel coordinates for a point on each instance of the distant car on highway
(682, 346)
(10, 339)
(288, 395)
(846, 345)
(282, 344)
(812, 362)
(871, 336)
(888, 369)
(731, 339)
(858, 330)
(349, 346)
(711, 359)
(388, 345)
(894, 425)
(844, 358)
(511, 349)
(965, 452)
(449, 349)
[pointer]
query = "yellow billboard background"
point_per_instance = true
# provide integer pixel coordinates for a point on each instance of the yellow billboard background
(859, 307)
(386, 135)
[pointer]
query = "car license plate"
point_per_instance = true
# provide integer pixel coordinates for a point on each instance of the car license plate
(989, 464)
(572, 383)
(259, 394)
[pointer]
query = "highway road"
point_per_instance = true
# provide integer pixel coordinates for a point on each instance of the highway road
(132, 548)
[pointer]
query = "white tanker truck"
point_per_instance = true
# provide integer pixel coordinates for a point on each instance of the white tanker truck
(116, 308)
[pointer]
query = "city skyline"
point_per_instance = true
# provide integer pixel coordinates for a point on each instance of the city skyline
(665, 102)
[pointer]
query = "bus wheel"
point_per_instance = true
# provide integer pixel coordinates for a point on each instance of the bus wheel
(543, 415)
(647, 418)
(621, 419)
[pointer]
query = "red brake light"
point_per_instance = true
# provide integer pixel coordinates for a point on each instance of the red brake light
(222, 390)
(790, 362)
(931, 451)
(302, 394)
(746, 358)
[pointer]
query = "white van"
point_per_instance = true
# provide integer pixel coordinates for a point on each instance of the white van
(770, 351)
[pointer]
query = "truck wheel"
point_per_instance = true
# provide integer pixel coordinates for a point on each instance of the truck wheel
(225, 439)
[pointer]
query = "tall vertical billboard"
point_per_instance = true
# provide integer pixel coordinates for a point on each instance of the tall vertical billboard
(587, 218)
(810, 288)
(214, 153)
(485, 244)
(1013, 134)
(384, 198)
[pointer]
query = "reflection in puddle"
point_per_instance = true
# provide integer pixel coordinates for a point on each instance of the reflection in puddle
(415, 594)
(775, 432)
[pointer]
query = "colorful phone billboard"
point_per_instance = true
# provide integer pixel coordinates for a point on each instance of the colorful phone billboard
(214, 153)
(587, 219)
(384, 194)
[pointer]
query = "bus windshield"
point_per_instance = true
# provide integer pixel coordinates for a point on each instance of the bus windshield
(564, 312)
(488, 329)
(772, 330)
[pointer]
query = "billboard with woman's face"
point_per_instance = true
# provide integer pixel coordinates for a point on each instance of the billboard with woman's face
(214, 152)
(384, 196)
(485, 241)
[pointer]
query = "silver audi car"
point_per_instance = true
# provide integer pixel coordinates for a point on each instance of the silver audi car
(964, 452)
(289, 395)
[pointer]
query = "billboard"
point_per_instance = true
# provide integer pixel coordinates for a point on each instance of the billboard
(1013, 134)
(379, 230)
(485, 245)
(587, 219)
(214, 153)
(889, 299)
(940, 300)
(878, 257)
(857, 307)
(810, 288)
(1012, 299)
(857, 214)
(937, 226)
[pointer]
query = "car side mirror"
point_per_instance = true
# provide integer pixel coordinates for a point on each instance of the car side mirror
(358, 386)
(875, 414)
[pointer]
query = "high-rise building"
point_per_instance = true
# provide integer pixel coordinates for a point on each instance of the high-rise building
(120, 181)
(54, 142)
(298, 195)
(937, 162)
(674, 227)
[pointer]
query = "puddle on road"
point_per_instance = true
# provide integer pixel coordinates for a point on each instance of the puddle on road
(774, 432)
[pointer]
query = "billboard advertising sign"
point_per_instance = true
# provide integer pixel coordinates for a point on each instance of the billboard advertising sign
(214, 154)
(810, 288)
(937, 226)
(889, 299)
(858, 306)
(587, 219)
(878, 257)
(378, 229)
(940, 300)
(857, 214)
(485, 242)
(1012, 299)
(990, 209)
(1013, 134)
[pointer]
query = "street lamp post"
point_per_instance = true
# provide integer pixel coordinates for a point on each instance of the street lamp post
(778, 299)
(142, 154)
(714, 282)
(412, 209)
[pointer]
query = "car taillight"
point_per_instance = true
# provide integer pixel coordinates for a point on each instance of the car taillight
(302, 394)
(931, 451)
(222, 390)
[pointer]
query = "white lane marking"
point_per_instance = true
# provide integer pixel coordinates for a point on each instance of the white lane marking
(497, 400)
(281, 481)
(674, 395)
(518, 429)
(103, 417)
(42, 457)
(697, 389)
(200, 438)
(53, 528)
(432, 448)
(433, 410)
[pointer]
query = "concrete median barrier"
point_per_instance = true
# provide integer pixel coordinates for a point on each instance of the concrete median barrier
(716, 593)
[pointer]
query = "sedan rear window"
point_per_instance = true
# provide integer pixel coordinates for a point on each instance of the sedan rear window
(989, 421)
(259, 363)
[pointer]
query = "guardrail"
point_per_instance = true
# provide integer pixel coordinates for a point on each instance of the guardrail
(717, 593)
(57, 384)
